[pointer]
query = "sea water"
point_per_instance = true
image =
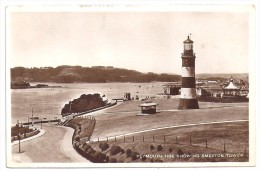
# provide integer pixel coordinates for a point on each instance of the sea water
(48, 102)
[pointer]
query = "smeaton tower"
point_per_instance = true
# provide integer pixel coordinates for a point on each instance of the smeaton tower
(188, 98)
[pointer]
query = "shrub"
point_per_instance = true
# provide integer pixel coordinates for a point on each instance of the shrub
(107, 159)
(112, 160)
(135, 155)
(180, 152)
(128, 152)
(84, 144)
(99, 157)
(115, 150)
(76, 138)
(159, 147)
(86, 147)
(170, 150)
(151, 147)
(103, 146)
(76, 144)
(90, 151)
(143, 158)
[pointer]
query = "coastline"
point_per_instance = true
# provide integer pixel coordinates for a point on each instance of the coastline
(65, 143)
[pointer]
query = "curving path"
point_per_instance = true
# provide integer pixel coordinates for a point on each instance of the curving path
(54, 146)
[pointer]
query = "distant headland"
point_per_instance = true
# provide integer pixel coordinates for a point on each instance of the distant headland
(26, 85)
(101, 74)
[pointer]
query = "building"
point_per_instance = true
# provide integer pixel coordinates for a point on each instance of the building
(214, 91)
(127, 96)
(148, 108)
(172, 88)
(231, 89)
(227, 89)
(188, 98)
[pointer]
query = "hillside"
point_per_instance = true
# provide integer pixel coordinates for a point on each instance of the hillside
(96, 74)
(242, 76)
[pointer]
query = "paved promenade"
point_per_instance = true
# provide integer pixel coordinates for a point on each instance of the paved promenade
(54, 146)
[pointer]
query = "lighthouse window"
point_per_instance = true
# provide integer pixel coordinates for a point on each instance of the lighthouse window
(188, 46)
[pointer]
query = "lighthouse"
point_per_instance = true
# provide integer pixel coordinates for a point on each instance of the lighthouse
(188, 98)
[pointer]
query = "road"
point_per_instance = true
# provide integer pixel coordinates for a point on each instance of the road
(54, 146)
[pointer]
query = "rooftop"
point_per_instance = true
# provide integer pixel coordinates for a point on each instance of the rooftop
(188, 40)
(147, 104)
(231, 85)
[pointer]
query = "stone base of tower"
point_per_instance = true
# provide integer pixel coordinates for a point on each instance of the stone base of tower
(188, 104)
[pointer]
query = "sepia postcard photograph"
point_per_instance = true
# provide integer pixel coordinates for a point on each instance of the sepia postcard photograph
(137, 85)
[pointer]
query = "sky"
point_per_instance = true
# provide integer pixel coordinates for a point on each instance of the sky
(142, 41)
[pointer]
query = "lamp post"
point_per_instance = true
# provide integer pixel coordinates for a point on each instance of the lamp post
(41, 123)
(28, 120)
(19, 138)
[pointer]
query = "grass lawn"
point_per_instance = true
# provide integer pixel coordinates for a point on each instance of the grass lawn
(190, 141)
(122, 118)
(83, 127)
(161, 145)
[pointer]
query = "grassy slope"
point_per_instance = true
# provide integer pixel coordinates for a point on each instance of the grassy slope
(122, 118)
(83, 126)
(235, 136)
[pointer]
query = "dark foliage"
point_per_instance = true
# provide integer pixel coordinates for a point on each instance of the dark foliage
(151, 147)
(99, 157)
(159, 148)
(107, 159)
(135, 156)
(76, 138)
(84, 103)
(103, 146)
(112, 160)
(180, 152)
(98, 74)
(115, 150)
(128, 152)
(143, 158)
(122, 151)
(86, 147)
(20, 129)
(90, 154)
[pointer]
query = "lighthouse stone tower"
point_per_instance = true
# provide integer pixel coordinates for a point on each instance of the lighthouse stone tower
(188, 98)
